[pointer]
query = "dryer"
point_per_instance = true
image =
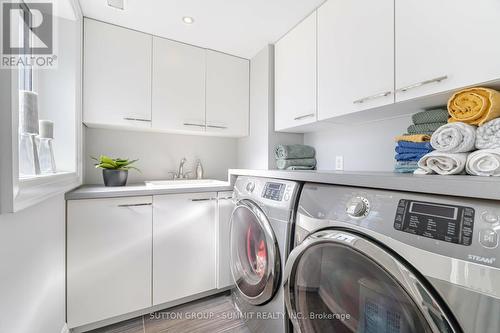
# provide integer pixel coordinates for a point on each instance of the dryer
(260, 236)
(371, 260)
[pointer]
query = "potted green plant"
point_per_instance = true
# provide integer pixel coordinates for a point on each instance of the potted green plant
(114, 170)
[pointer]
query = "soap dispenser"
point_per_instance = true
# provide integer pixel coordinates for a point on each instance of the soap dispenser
(199, 171)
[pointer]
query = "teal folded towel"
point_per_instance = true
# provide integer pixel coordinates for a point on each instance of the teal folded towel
(405, 166)
(298, 167)
(431, 116)
(425, 128)
(283, 164)
(294, 151)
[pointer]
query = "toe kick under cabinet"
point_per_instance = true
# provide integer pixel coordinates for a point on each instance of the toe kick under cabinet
(129, 254)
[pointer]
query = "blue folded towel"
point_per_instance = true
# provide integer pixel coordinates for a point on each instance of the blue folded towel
(415, 145)
(410, 156)
(404, 150)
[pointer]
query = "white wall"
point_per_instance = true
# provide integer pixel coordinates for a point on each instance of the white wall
(256, 150)
(32, 269)
(253, 150)
(367, 147)
(158, 153)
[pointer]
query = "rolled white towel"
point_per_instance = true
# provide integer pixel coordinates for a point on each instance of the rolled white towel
(442, 163)
(488, 135)
(454, 138)
(484, 162)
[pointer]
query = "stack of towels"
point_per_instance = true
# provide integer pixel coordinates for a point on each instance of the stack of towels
(411, 147)
(295, 157)
(462, 147)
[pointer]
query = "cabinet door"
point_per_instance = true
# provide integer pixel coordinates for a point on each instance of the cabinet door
(355, 56)
(443, 45)
(295, 76)
(184, 250)
(228, 89)
(117, 75)
(108, 258)
(178, 86)
(225, 209)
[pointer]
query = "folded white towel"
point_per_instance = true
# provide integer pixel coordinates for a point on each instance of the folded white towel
(441, 163)
(484, 162)
(454, 138)
(488, 135)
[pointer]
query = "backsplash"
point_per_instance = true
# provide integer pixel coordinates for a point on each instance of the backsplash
(366, 147)
(159, 153)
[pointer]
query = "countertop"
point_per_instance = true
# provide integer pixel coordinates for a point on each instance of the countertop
(462, 185)
(101, 191)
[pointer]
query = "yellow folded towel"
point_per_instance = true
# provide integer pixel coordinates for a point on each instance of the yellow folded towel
(413, 138)
(474, 106)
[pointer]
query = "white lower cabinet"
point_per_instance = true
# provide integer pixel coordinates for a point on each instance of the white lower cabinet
(225, 210)
(128, 254)
(108, 258)
(184, 260)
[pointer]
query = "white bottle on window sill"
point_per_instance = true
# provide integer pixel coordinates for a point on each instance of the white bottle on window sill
(46, 156)
(45, 148)
(29, 164)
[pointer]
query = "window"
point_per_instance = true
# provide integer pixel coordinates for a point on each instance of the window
(42, 93)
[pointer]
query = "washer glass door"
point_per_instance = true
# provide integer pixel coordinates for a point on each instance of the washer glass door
(340, 282)
(255, 263)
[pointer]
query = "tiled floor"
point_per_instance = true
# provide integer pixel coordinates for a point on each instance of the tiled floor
(210, 315)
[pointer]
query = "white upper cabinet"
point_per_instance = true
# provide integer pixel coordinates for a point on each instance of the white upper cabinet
(178, 86)
(443, 45)
(295, 76)
(117, 75)
(227, 99)
(355, 56)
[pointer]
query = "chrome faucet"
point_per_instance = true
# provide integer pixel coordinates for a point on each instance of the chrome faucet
(180, 174)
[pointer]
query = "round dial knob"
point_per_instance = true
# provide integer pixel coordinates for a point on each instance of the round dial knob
(250, 187)
(358, 207)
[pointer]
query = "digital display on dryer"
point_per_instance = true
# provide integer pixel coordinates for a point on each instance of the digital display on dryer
(448, 223)
(274, 191)
(445, 212)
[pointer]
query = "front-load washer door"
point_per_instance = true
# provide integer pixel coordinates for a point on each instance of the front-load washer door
(255, 258)
(337, 281)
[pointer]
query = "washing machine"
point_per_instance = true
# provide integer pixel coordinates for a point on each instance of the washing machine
(261, 237)
(371, 260)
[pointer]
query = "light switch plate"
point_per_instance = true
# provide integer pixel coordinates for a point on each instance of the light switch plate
(339, 162)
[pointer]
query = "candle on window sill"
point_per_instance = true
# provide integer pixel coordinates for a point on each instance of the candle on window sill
(29, 163)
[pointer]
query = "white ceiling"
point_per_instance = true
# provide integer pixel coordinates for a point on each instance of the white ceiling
(239, 27)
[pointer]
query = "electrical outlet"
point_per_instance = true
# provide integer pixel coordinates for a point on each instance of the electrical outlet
(339, 162)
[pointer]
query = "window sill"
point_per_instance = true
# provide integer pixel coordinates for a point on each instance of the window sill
(33, 190)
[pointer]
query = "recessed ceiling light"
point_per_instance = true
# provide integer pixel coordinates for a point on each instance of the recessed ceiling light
(188, 20)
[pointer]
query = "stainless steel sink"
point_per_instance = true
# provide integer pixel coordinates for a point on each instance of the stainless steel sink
(185, 183)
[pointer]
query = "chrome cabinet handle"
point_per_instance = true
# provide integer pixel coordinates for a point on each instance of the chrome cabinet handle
(423, 83)
(226, 198)
(216, 126)
(365, 99)
(192, 124)
(305, 116)
(204, 199)
(138, 119)
(135, 205)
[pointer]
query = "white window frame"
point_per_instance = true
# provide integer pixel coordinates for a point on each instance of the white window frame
(20, 193)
